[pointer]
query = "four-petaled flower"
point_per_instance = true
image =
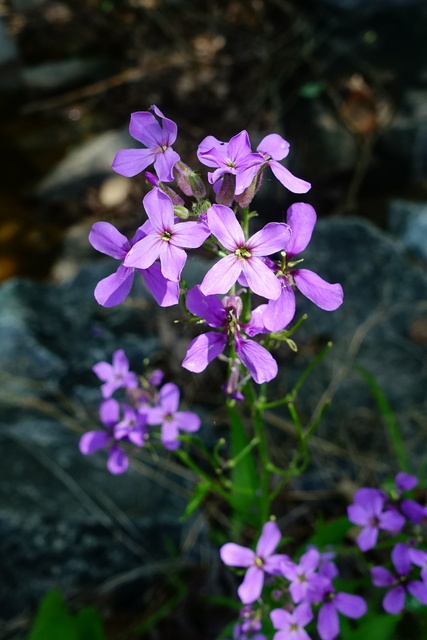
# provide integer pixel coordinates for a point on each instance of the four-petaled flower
(115, 376)
(303, 576)
(291, 624)
(368, 512)
(245, 255)
(165, 238)
(171, 420)
(158, 139)
(259, 562)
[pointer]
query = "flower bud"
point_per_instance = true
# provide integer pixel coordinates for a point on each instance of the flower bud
(155, 182)
(225, 193)
(188, 180)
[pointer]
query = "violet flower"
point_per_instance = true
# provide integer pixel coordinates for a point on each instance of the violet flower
(93, 441)
(113, 289)
(132, 426)
(368, 512)
(301, 218)
(166, 238)
(259, 562)
(224, 315)
(245, 256)
(291, 624)
(158, 138)
(349, 605)
(413, 510)
(170, 419)
(394, 600)
(303, 576)
(115, 376)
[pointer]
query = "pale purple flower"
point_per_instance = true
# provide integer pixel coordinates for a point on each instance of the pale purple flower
(116, 375)
(291, 624)
(405, 482)
(272, 149)
(232, 158)
(158, 138)
(349, 605)
(419, 558)
(259, 562)
(303, 576)
(132, 426)
(240, 634)
(413, 510)
(166, 238)
(394, 600)
(113, 289)
(301, 218)
(93, 441)
(171, 420)
(224, 316)
(250, 619)
(368, 512)
(245, 255)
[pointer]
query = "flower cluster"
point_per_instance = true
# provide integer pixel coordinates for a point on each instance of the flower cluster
(394, 512)
(261, 263)
(309, 589)
(148, 404)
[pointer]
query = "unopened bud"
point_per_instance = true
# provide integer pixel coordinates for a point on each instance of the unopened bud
(188, 180)
(225, 193)
(245, 198)
(155, 182)
(181, 212)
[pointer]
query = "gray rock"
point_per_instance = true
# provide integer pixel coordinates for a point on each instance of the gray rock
(87, 165)
(55, 76)
(408, 222)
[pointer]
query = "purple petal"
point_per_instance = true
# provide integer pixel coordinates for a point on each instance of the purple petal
(382, 577)
(275, 146)
(93, 441)
(187, 421)
(251, 587)
(301, 217)
(239, 145)
(106, 239)
(406, 482)
(281, 619)
(350, 605)
(189, 234)
(221, 277)
(164, 164)
(117, 461)
(259, 362)
(372, 500)
(130, 162)
(103, 370)
(170, 129)
(120, 362)
(169, 397)
(144, 252)
(172, 260)
(310, 560)
(291, 182)
(418, 589)
(413, 510)
(159, 209)
(169, 435)
(113, 289)
(367, 538)
(391, 520)
(154, 415)
(224, 225)
(165, 292)
(273, 564)
(260, 278)
(358, 515)
(327, 622)
(145, 128)
(418, 557)
(400, 559)
(303, 614)
(109, 412)
(203, 349)
(279, 313)
(394, 600)
(269, 539)
(275, 236)
(256, 325)
(207, 307)
(234, 555)
(208, 143)
(326, 296)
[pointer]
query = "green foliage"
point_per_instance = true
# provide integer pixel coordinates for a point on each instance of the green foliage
(54, 621)
(372, 627)
(330, 533)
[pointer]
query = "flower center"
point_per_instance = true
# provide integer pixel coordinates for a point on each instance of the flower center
(166, 236)
(259, 562)
(243, 253)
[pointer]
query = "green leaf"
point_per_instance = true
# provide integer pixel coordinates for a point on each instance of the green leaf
(330, 533)
(89, 625)
(200, 492)
(372, 627)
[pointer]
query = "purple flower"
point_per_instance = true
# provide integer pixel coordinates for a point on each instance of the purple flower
(232, 158)
(158, 138)
(170, 419)
(405, 482)
(166, 238)
(291, 624)
(245, 256)
(301, 218)
(303, 576)
(224, 315)
(394, 600)
(368, 512)
(347, 604)
(258, 562)
(93, 441)
(273, 148)
(115, 376)
(419, 558)
(113, 290)
(414, 511)
(132, 426)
